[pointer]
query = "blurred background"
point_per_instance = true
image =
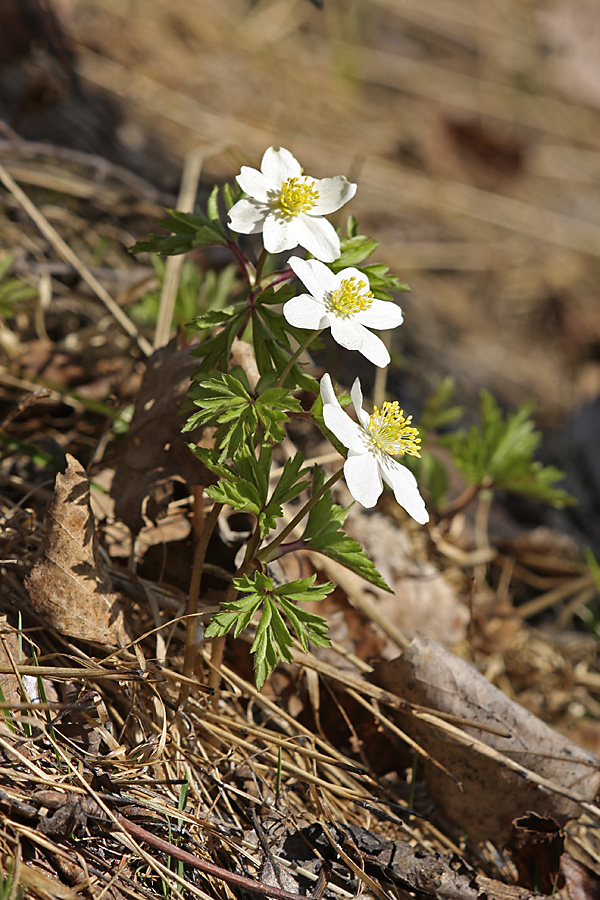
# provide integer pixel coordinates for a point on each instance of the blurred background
(472, 129)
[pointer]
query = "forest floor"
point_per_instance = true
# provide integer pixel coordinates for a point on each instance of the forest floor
(386, 765)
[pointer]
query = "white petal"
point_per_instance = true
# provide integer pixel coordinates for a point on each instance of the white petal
(373, 348)
(353, 336)
(351, 272)
(345, 429)
(318, 236)
(254, 183)
(357, 400)
(305, 312)
(363, 478)
(333, 193)
(381, 314)
(346, 332)
(247, 216)
(278, 234)
(279, 165)
(327, 391)
(406, 491)
(317, 278)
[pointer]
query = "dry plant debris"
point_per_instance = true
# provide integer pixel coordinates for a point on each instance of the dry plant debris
(313, 786)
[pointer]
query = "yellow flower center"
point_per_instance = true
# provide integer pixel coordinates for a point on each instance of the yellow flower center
(351, 297)
(297, 197)
(391, 432)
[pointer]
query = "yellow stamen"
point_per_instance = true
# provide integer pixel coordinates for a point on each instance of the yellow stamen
(351, 297)
(391, 432)
(297, 197)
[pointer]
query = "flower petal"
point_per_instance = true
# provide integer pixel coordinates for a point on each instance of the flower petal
(333, 193)
(247, 216)
(363, 478)
(381, 314)
(327, 391)
(352, 272)
(317, 278)
(279, 234)
(305, 312)
(346, 332)
(254, 183)
(353, 336)
(357, 400)
(373, 348)
(279, 165)
(345, 429)
(406, 491)
(318, 236)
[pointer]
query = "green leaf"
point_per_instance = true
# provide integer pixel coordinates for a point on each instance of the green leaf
(273, 639)
(292, 480)
(214, 318)
(304, 590)
(241, 495)
(188, 230)
(322, 535)
(231, 195)
(278, 294)
(212, 207)
(498, 454)
(353, 251)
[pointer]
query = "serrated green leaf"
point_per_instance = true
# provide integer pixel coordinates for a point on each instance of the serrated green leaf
(353, 251)
(343, 549)
(188, 230)
(278, 294)
(498, 454)
(322, 535)
(213, 318)
(305, 589)
(241, 495)
(231, 195)
(212, 207)
(292, 480)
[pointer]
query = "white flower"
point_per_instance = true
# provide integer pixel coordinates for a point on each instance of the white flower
(288, 207)
(370, 442)
(344, 303)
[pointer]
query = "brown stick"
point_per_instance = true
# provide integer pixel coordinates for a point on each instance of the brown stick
(241, 881)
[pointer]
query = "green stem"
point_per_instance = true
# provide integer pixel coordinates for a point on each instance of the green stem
(296, 356)
(267, 552)
(194, 597)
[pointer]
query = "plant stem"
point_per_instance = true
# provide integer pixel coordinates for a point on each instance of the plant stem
(461, 501)
(296, 356)
(194, 597)
(267, 553)
(218, 644)
(243, 262)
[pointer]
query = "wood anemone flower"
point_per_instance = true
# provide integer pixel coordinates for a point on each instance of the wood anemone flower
(371, 442)
(288, 206)
(344, 303)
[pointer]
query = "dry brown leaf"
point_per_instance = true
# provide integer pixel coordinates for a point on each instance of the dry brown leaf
(9, 655)
(490, 795)
(69, 584)
(423, 602)
(154, 453)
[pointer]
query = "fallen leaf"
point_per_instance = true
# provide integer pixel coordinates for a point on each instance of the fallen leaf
(423, 602)
(582, 883)
(69, 584)
(490, 794)
(155, 453)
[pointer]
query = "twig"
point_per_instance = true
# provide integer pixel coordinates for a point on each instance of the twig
(209, 868)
